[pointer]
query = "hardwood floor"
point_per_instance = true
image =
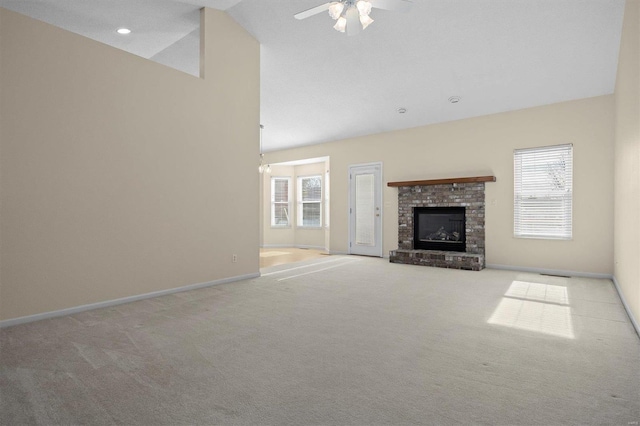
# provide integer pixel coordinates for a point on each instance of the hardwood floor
(281, 255)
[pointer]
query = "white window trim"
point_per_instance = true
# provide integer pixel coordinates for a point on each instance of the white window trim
(299, 220)
(273, 202)
(534, 201)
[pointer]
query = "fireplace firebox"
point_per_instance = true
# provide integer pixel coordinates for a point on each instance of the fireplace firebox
(439, 228)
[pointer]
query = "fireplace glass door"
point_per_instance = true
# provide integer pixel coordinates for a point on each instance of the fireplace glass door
(439, 228)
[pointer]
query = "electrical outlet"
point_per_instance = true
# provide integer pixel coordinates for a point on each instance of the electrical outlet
(234, 258)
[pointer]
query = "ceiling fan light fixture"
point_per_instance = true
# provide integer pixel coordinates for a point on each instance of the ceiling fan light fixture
(335, 10)
(364, 8)
(365, 20)
(261, 167)
(352, 16)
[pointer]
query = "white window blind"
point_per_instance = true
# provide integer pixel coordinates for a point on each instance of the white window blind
(365, 209)
(327, 198)
(543, 192)
(280, 201)
(310, 201)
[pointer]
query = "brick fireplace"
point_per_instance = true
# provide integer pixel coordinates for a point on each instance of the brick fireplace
(468, 193)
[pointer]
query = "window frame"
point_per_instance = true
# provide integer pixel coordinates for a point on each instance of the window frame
(543, 183)
(274, 202)
(301, 202)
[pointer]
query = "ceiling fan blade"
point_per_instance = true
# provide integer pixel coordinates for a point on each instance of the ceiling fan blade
(353, 21)
(313, 11)
(399, 5)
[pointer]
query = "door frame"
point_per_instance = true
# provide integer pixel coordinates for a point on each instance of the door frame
(380, 188)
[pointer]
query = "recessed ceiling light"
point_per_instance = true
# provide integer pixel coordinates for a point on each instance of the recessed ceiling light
(455, 99)
(401, 110)
(123, 31)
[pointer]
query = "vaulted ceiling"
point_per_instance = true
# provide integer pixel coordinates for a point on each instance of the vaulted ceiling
(319, 85)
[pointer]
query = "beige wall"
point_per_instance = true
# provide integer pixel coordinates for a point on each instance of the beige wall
(627, 161)
(292, 236)
(484, 146)
(119, 176)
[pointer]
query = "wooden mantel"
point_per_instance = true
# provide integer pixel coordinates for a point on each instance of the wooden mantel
(444, 181)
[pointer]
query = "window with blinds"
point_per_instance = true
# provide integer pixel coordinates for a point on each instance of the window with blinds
(543, 192)
(327, 199)
(280, 201)
(310, 201)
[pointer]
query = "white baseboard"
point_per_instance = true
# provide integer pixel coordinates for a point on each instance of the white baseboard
(626, 306)
(338, 252)
(550, 271)
(108, 303)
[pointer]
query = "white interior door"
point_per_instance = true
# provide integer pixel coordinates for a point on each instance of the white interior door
(365, 209)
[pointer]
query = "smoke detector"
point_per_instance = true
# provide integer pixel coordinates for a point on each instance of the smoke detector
(455, 99)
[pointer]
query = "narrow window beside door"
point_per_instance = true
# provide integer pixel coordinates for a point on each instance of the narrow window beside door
(327, 199)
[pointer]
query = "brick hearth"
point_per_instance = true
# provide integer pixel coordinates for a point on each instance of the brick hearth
(469, 194)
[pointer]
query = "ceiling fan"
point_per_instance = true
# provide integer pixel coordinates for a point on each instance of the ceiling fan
(352, 16)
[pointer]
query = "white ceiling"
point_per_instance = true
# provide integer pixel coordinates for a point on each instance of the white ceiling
(318, 85)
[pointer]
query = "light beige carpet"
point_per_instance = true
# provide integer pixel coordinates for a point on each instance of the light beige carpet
(343, 340)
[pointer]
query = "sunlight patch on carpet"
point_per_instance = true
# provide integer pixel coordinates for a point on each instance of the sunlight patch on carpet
(535, 307)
